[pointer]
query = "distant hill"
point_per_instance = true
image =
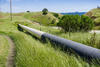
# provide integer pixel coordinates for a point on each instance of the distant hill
(74, 13)
(95, 15)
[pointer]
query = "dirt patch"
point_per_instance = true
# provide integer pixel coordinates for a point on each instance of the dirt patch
(36, 23)
(1, 16)
(0, 23)
(12, 53)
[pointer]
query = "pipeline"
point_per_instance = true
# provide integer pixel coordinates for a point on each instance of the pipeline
(81, 49)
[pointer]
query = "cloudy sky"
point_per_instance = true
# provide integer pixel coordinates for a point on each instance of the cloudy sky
(51, 5)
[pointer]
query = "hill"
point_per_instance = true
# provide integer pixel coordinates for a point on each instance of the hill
(49, 19)
(95, 15)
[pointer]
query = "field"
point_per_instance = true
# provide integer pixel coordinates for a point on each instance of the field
(31, 52)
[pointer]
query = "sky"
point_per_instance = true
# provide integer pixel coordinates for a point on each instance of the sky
(52, 5)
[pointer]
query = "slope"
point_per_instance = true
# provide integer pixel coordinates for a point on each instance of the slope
(95, 15)
(48, 19)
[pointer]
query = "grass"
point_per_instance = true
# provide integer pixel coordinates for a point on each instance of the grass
(96, 14)
(32, 52)
(42, 19)
(4, 48)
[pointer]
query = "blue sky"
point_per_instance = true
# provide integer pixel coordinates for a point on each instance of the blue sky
(51, 5)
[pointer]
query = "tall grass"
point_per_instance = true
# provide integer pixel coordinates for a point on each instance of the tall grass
(33, 53)
(4, 49)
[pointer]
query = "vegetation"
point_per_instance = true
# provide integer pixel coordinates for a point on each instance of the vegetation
(28, 11)
(74, 23)
(95, 15)
(31, 52)
(41, 19)
(56, 15)
(4, 47)
(53, 21)
(45, 11)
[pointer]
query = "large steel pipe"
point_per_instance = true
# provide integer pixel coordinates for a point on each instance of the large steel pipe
(32, 31)
(79, 48)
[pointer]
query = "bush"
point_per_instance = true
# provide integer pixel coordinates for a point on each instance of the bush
(53, 21)
(56, 15)
(86, 23)
(45, 11)
(74, 23)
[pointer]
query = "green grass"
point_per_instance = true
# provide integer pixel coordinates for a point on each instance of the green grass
(95, 13)
(4, 47)
(33, 53)
(42, 19)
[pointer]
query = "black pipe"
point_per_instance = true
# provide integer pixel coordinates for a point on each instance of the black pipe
(79, 48)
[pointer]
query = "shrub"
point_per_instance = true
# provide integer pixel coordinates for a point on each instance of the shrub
(86, 23)
(56, 15)
(53, 21)
(45, 11)
(75, 23)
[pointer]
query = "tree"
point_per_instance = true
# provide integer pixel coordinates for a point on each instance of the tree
(45, 11)
(27, 11)
(86, 23)
(74, 23)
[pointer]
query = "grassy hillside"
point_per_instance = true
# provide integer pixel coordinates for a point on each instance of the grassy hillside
(38, 17)
(33, 53)
(95, 15)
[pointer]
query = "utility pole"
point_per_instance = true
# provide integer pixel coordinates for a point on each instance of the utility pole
(0, 5)
(11, 10)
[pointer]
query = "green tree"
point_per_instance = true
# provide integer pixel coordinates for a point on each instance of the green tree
(74, 23)
(45, 11)
(27, 11)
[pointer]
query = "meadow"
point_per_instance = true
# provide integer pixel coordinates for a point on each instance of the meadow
(31, 52)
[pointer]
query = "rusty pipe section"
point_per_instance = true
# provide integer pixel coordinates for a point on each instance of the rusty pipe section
(81, 49)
